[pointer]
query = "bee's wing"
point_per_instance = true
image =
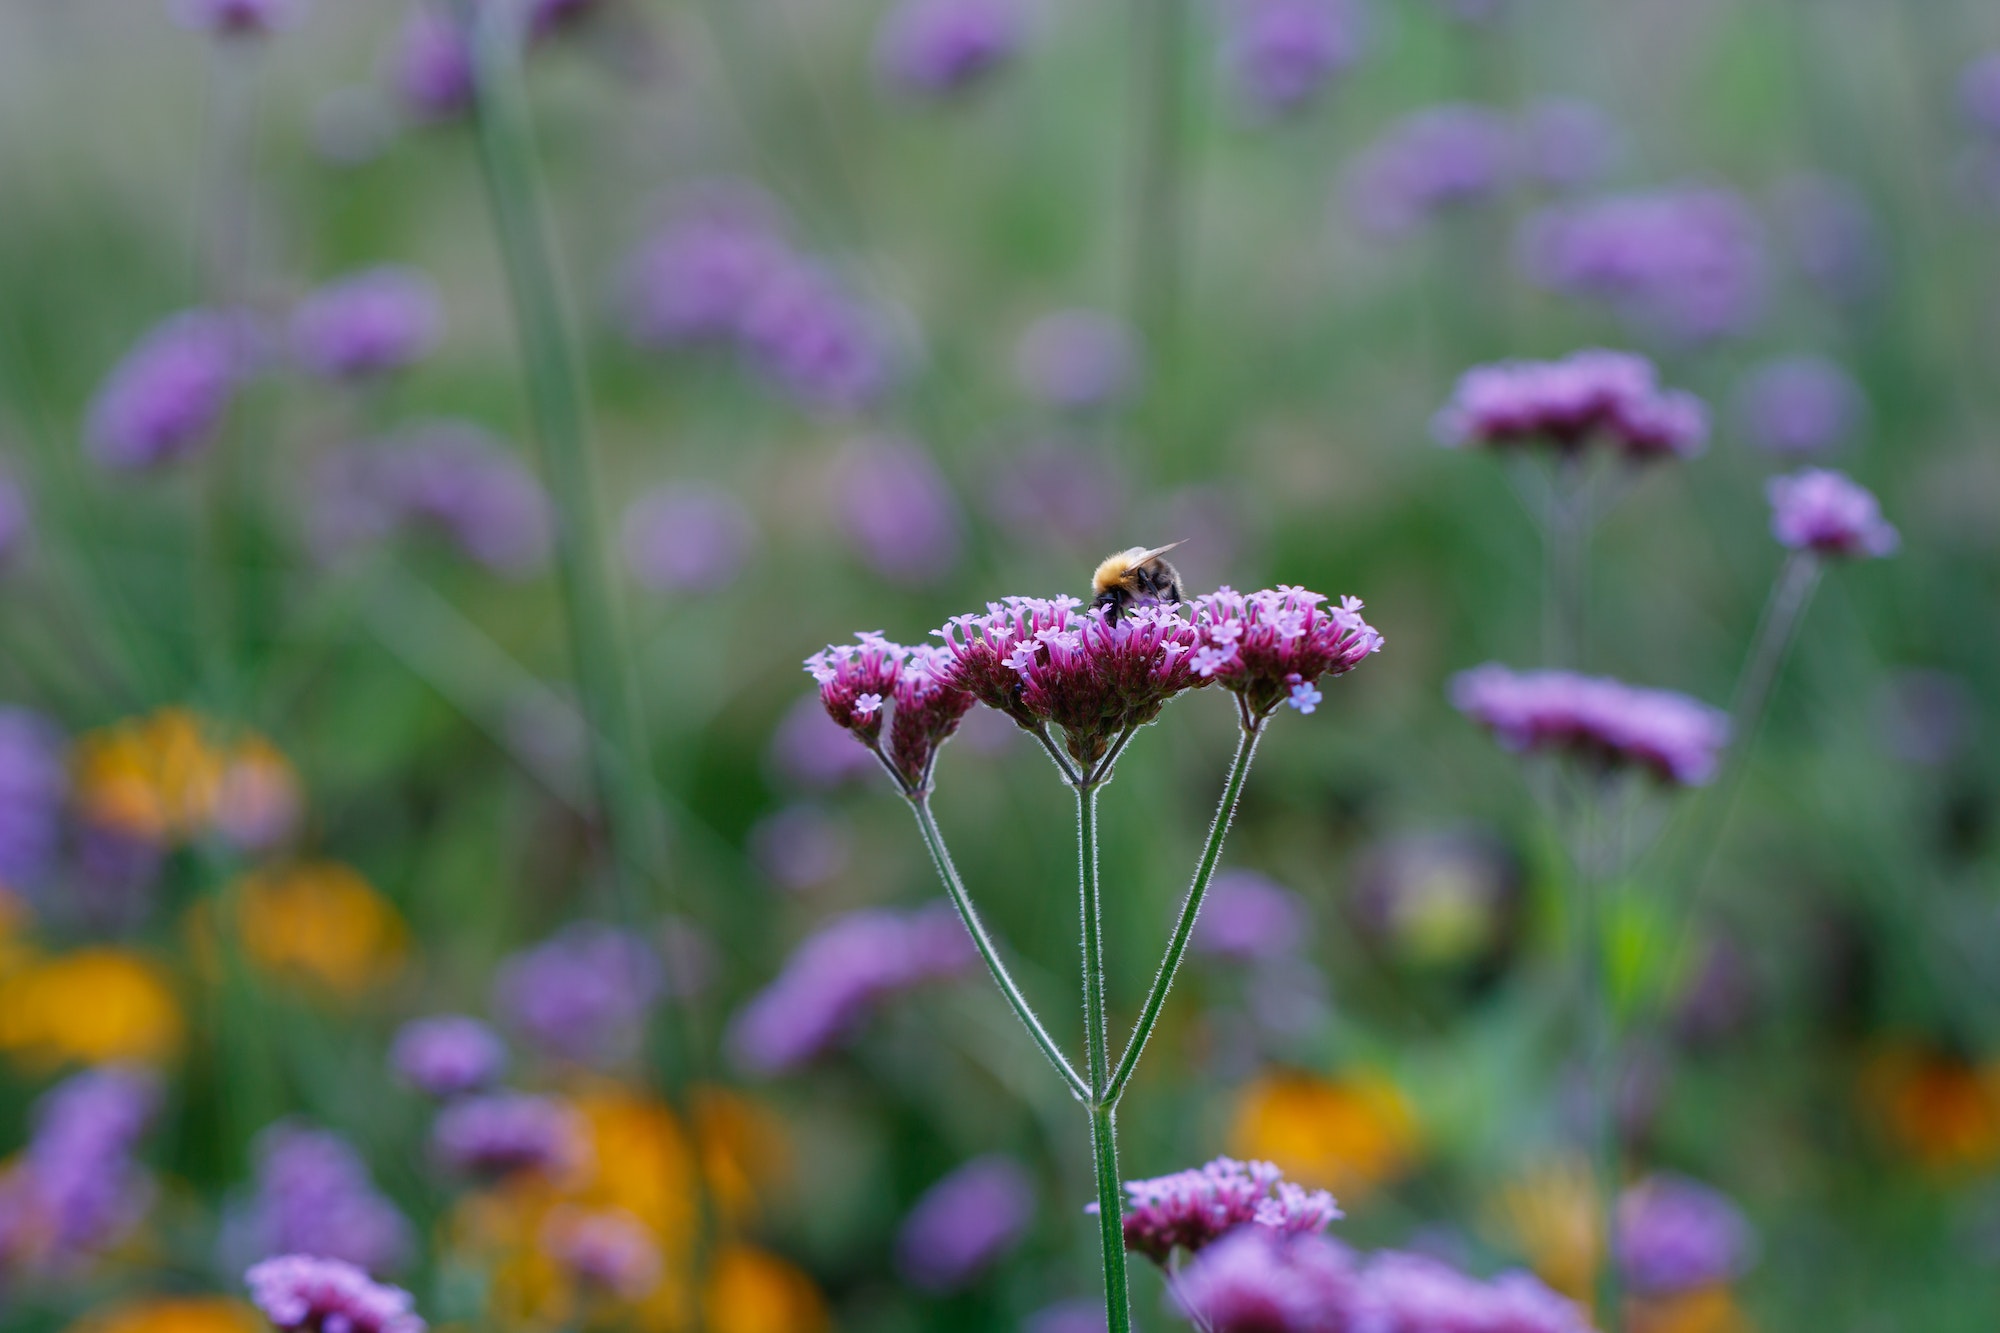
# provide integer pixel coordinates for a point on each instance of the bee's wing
(1143, 556)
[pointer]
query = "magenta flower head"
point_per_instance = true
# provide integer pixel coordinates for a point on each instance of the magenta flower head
(1439, 159)
(1272, 647)
(1604, 722)
(1258, 1280)
(368, 324)
(501, 1134)
(1281, 54)
(1588, 396)
(430, 66)
(1043, 662)
(696, 277)
(861, 682)
(1799, 405)
(935, 48)
(687, 538)
(965, 1224)
(1190, 1210)
(609, 1252)
(448, 1055)
(1825, 512)
(836, 978)
(167, 399)
(1689, 263)
(1077, 360)
(236, 18)
(302, 1293)
(1676, 1235)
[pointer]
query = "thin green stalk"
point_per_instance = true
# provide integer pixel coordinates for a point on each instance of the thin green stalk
(1103, 1126)
(1566, 538)
(1211, 855)
(934, 839)
(1590, 881)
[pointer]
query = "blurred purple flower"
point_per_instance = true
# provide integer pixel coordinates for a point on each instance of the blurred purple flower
(430, 66)
(458, 479)
(301, 1293)
(1078, 1316)
(1833, 235)
(1567, 143)
(1928, 717)
(1191, 1210)
(965, 1224)
(1613, 397)
(1450, 156)
(1281, 54)
(1257, 1280)
(1601, 720)
(77, 1176)
(810, 749)
(1054, 494)
(1675, 1235)
(1799, 405)
(236, 18)
(115, 873)
(801, 846)
(34, 782)
(1414, 1293)
(686, 538)
(1249, 918)
(499, 1134)
(168, 397)
(610, 1252)
(1076, 360)
(314, 1195)
(16, 522)
(837, 977)
(1819, 510)
(1689, 263)
(698, 275)
(448, 1055)
(897, 511)
(813, 339)
(1979, 93)
(935, 48)
(583, 994)
(368, 323)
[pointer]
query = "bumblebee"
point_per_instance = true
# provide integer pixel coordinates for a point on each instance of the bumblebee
(1132, 576)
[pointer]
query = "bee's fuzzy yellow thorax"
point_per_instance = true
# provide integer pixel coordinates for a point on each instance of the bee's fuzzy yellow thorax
(1113, 569)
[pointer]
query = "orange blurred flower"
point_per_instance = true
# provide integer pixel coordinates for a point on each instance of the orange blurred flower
(89, 1006)
(750, 1291)
(152, 777)
(320, 923)
(1941, 1110)
(172, 1314)
(1707, 1310)
(1549, 1213)
(1349, 1135)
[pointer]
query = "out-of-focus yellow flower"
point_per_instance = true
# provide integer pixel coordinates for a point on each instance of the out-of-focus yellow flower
(172, 1314)
(750, 1291)
(152, 777)
(1942, 1111)
(743, 1150)
(89, 1006)
(1707, 1310)
(1349, 1135)
(1550, 1215)
(319, 922)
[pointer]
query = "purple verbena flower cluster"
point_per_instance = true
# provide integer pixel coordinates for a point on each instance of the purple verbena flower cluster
(965, 1223)
(500, 1134)
(583, 994)
(302, 1293)
(76, 1189)
(1189, 1210)
(837, 977)
(430, 66)
(1675, 1234)
(1281, 54)
(1603, 721)
(1689, 263)
(1441, 158)
(314, 1195)
(367, 324)
(1272, 647)
(1592, 395)
(862, 683)
(610, 1252)
(448, 1055)
(1825, 512)
(167, 399)
(937, 48)
(236, 18)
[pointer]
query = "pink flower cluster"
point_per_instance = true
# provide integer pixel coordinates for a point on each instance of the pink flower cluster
(1826, 512)
(1605, 721)
(858, 681)
(1271, 647)
(1190, 1209)
(301, 1292)
(1565, 404)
